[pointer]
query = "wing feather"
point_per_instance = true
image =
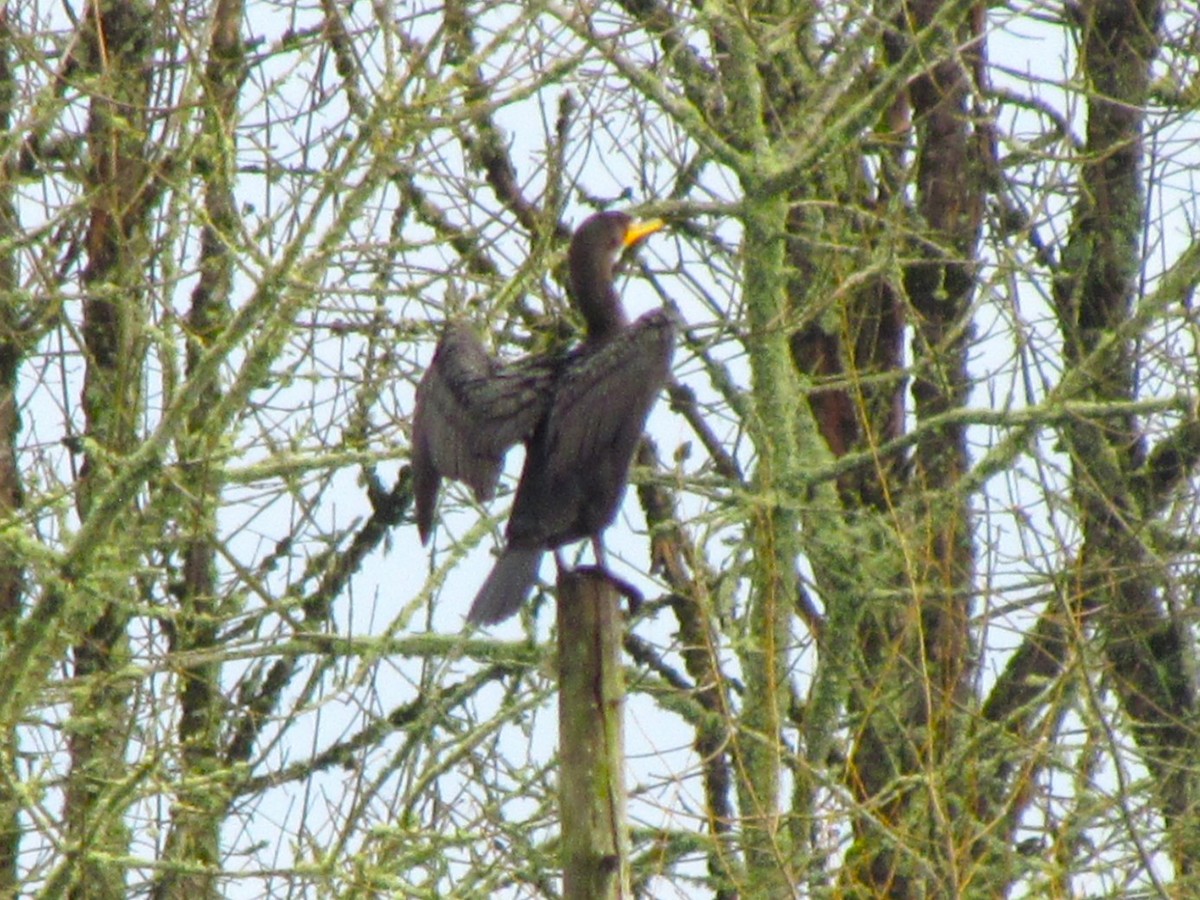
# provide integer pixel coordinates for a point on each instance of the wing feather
(469, 410)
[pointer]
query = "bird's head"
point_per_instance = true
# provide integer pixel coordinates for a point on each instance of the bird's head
(592, 257)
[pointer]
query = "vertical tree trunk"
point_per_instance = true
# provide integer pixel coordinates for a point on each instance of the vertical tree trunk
(12, 350)
(917, 652)
(1121, 582)
(193, 846)
(772, 531)
(116, 52)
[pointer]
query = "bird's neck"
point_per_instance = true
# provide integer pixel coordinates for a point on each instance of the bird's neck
(601, 309)
(604, 319)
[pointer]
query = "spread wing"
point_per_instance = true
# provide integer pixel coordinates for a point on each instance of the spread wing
(469, 410)
(578, 461)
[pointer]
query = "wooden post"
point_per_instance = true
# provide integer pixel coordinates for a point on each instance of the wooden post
(591, 701)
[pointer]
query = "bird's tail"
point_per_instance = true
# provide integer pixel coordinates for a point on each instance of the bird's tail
(507, 587)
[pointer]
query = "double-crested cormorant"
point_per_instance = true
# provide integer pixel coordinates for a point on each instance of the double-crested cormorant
(579, 415)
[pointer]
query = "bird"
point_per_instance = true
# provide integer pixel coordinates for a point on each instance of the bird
(579, 414)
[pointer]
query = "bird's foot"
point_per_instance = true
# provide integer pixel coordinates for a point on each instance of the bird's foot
(623, 587)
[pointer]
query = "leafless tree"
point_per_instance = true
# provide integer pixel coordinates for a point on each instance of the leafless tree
(915, 522)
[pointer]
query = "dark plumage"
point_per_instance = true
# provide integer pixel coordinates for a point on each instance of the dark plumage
(580, 416)
(470, 409)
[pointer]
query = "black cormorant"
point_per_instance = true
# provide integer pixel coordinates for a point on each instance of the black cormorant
(579, 414)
